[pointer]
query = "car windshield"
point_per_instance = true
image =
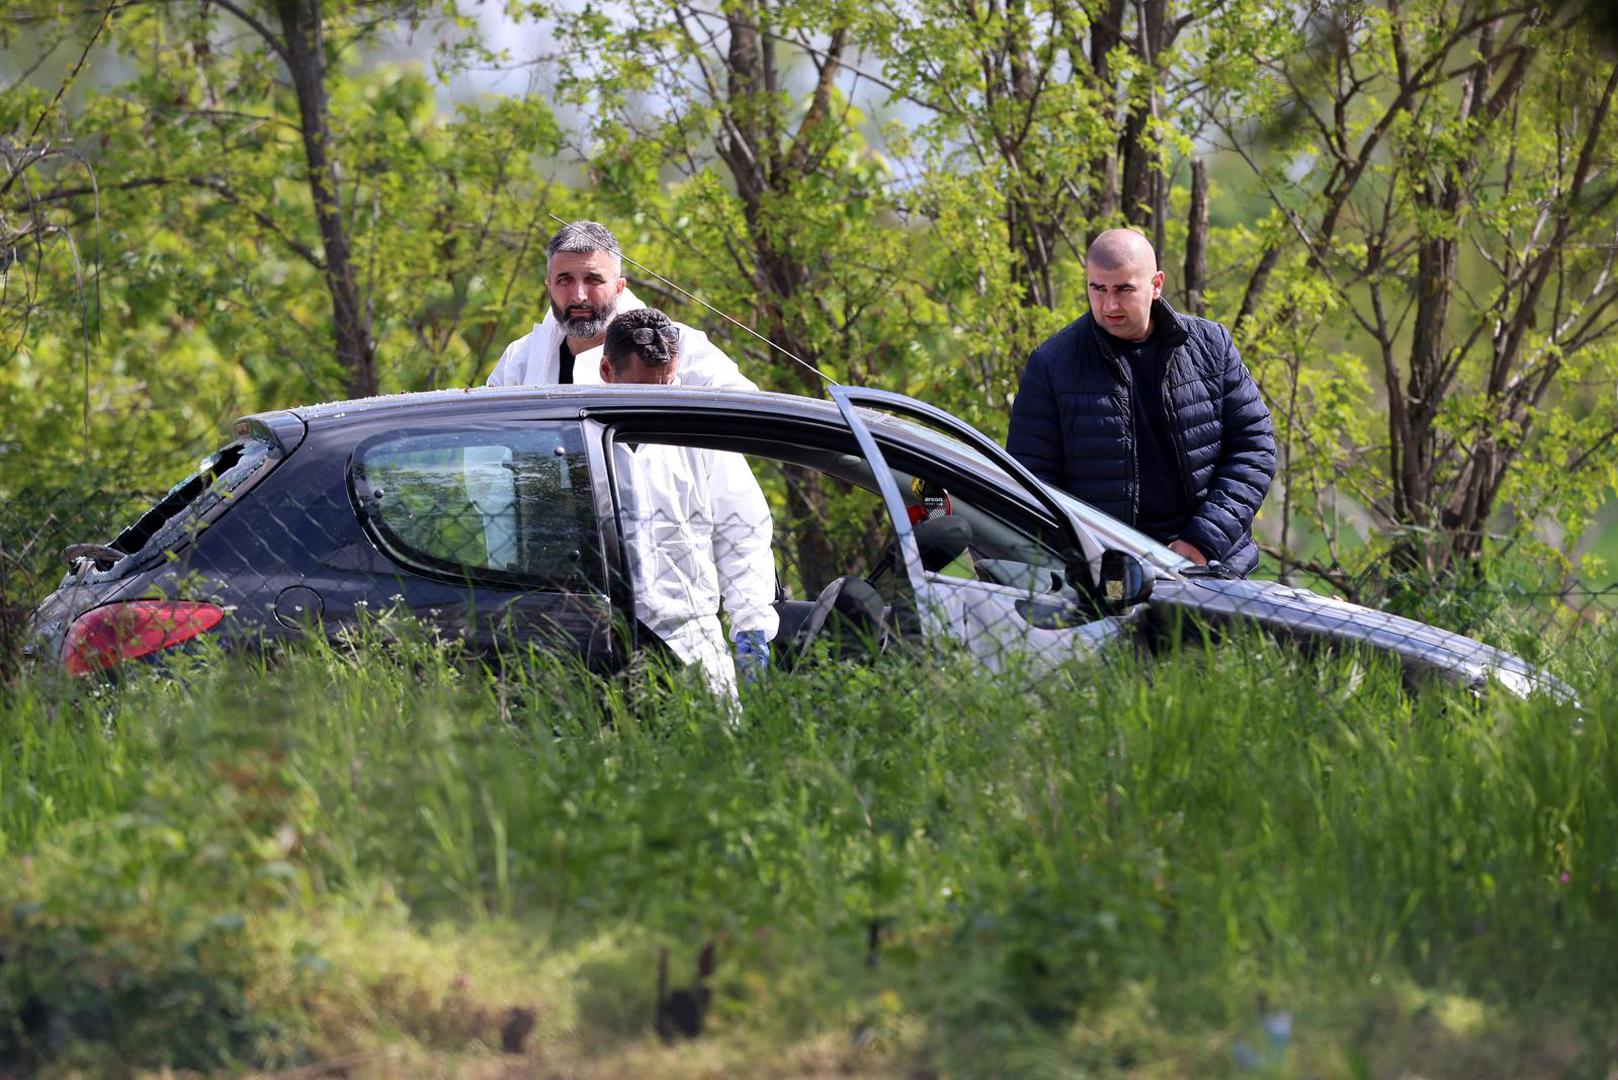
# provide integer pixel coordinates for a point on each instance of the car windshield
(1111, 532)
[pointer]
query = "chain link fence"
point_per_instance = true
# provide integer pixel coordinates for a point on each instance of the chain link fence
(451, 505)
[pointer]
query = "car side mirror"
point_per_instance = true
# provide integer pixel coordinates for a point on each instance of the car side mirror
(1126, 580)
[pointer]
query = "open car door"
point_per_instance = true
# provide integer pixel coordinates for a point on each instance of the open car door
(1032, 579)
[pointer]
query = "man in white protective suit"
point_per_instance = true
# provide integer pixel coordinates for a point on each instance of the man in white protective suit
(585, 280)
(697, 526)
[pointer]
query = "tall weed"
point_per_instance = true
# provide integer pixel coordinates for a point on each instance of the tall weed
(958, 867)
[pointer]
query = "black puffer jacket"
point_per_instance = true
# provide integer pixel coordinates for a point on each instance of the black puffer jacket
(1072, 426)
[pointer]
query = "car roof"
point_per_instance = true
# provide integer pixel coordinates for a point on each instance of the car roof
(555, 402)
(579, 397)
(561, 401)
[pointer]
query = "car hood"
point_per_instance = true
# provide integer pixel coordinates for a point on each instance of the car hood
(1308, 616)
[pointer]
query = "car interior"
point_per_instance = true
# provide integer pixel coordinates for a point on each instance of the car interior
(964, 531)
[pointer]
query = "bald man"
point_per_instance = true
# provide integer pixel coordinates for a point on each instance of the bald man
(1148, 414)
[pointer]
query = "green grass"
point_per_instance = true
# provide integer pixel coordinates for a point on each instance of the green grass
(371, 855)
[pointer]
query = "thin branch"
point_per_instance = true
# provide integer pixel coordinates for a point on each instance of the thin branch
(824, 55)
(39, 62)
(78, 66)
(268, 224)
(257, 27)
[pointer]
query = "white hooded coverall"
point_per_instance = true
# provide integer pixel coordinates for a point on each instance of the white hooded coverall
(697, 529)
(535, 359)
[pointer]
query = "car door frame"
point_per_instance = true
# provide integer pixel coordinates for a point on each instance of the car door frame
(847, 398)
(723, 425)
(599, 430)
(477, 592)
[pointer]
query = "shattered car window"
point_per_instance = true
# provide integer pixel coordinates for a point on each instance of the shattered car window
(184, 508)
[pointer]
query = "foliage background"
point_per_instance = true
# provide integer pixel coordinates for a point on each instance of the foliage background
(1286, 867)
(1405, 212)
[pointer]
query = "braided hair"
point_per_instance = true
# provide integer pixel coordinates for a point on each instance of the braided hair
(645, 334)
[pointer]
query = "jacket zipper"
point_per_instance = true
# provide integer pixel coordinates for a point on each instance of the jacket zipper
(1134, 453)
(1133, 462)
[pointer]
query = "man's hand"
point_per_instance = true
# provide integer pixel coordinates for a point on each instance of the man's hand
(1180, 547)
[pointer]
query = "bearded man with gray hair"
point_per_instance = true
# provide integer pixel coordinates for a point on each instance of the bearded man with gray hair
(585, 280)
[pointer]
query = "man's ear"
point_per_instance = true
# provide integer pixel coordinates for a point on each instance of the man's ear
(606, 370)
(623, 283)
(1157, 284)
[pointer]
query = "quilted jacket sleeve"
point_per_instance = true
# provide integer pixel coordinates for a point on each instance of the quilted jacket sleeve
(1035, 437)
(1246, 462)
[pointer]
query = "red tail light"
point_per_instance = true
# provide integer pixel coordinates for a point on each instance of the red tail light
(109, 635)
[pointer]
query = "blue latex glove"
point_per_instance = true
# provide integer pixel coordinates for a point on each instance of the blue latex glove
(752, 655)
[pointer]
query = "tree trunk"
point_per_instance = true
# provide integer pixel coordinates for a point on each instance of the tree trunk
(1135, 191)
(1141, 172)
(306, 63)
(1196, 242)
(1416, 493)
(1105, 34)
(751, 147)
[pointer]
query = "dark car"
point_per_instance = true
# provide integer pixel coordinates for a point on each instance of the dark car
(492, 513)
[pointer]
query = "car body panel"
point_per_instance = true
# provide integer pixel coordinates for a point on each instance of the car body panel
(993, 624)
(1308, 617)
(296, 542)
